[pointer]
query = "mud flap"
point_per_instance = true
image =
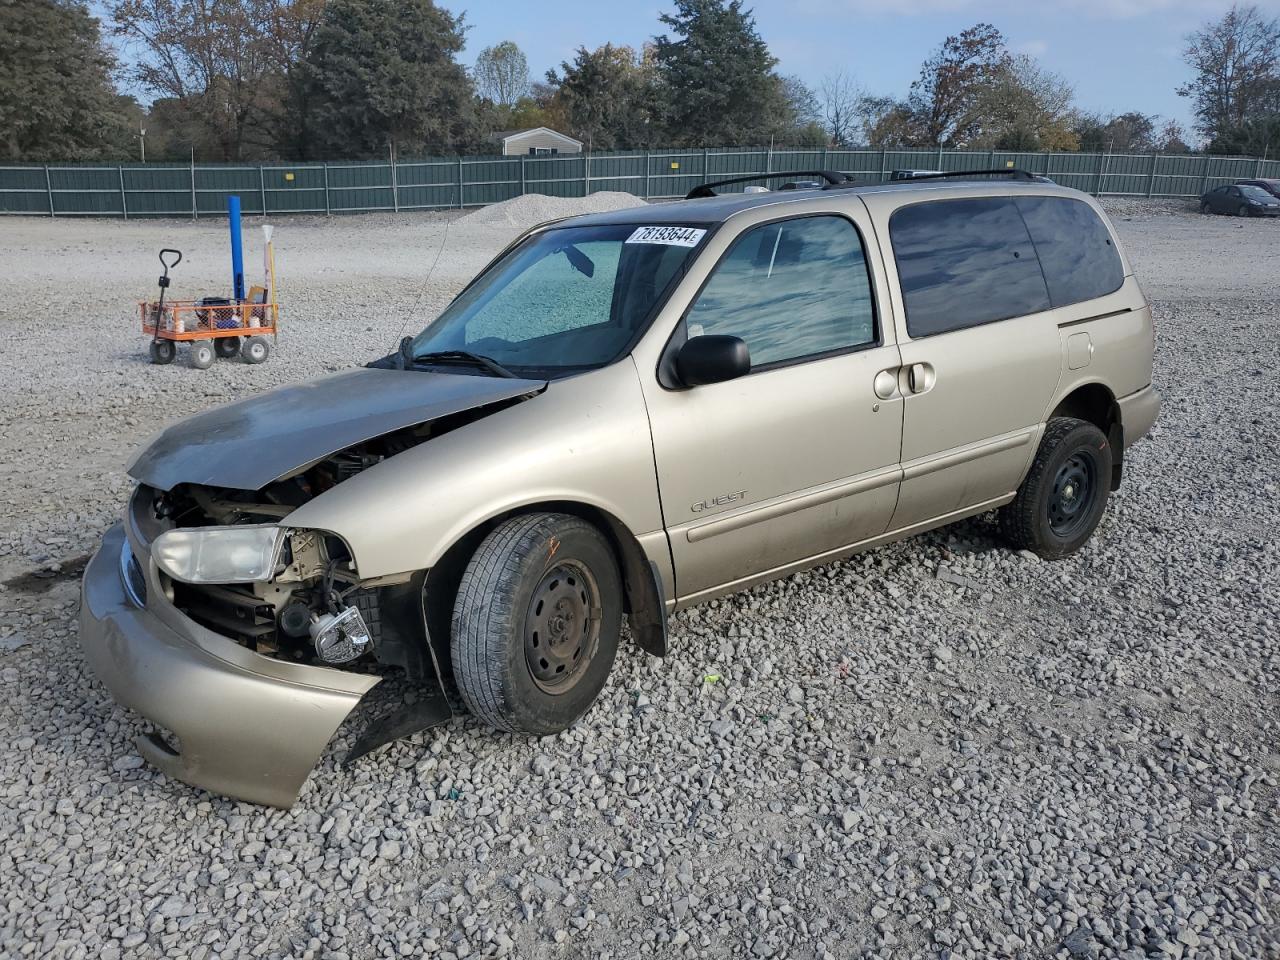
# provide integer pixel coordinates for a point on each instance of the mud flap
(648, 619)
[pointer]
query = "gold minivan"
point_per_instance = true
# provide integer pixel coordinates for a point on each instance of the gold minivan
(624, 413)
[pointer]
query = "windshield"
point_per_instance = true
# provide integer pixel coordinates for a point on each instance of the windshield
(1254, 193)
(565, 299)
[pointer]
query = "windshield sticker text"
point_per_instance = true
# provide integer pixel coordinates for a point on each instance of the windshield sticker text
(671, 236)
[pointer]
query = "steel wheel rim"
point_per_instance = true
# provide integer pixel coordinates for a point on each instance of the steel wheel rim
(562, 627)
(1075, 487)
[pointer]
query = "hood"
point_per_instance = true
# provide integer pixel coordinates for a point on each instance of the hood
(250, 443)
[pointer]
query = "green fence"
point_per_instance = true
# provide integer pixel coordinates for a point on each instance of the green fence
(197, 190)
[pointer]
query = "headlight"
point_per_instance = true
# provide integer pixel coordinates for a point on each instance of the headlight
(219, 554)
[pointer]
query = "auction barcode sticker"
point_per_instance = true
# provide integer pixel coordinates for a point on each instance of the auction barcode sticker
(671, 236)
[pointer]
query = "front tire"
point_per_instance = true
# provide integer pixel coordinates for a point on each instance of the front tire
(255, 350)
(162, 351)
(1204, 208)
(1065, 492)
(536, 623)
(1242, 211)
(201, 354)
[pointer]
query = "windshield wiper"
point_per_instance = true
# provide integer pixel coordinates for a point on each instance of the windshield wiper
(466, 356)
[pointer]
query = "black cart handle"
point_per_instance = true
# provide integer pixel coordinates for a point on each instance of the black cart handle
(177, 259)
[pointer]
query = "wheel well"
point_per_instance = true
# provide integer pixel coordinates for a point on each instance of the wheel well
(642, 600)
(1095, 404)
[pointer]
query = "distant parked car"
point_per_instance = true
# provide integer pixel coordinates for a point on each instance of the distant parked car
(912, 174)
(1272, 186)
(1240, 200)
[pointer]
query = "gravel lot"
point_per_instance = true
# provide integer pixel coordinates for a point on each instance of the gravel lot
(939, 749)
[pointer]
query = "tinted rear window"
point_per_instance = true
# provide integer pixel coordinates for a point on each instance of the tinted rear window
(965, 262)
(1079, 259)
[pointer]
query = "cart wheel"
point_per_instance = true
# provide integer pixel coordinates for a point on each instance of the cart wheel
(162, 351)
(255, 350)
(226, 347)
(201, 354)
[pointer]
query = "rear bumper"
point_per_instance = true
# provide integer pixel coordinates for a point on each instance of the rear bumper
(248, 726)
(1138, 412)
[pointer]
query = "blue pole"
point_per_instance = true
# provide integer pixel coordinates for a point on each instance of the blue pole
(237, 251)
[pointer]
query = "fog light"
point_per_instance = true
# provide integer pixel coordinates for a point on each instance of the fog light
(340, 638)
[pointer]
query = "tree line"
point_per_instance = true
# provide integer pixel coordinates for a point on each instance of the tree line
(235, 80)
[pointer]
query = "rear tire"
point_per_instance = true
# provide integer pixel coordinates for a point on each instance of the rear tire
(536, 623)
(255, 350)
(226, 347)
(162, 351)
(1204, 208)
(1065, 492)
(201, 354)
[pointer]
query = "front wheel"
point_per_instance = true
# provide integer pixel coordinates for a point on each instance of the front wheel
(201, 354)
(536, 623)
(1242, 211)
(255, 350)
(1065, 493)
(1204, 208)
(162, 351)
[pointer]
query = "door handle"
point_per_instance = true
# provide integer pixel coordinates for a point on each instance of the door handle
(921, 377)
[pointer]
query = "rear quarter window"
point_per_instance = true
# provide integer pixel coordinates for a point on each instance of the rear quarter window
(962, 263)
(1076, 252)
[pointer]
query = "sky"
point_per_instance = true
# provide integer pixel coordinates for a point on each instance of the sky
(1120, 55)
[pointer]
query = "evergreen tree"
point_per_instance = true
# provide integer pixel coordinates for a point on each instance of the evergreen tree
(607, 96)
(383, 73)
(718, 84)
(57, 101)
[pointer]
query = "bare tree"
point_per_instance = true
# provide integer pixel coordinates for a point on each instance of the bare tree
(1237, 70)
(502, 74)
(225, 63)
(840, 98)
(1025, 107)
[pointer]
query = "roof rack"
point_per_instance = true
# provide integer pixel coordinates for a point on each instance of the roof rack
(834, 178)
(1012, 172)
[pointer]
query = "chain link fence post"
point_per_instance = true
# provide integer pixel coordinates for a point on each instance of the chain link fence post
(124, 204)
(262, 189)
(48, 185)
(326, 188)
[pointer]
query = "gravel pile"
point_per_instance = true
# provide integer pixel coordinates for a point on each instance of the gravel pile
(531, 209)
(938, 749)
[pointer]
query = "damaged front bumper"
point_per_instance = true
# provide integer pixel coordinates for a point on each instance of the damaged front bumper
(247, 726)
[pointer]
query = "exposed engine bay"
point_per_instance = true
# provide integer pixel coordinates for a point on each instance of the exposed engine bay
(314, 608)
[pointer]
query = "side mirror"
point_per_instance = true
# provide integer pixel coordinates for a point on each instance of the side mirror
(713, 358)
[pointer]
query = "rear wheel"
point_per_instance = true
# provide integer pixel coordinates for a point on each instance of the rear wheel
(162, 351)
(255, 350)
(201, 354)
(1065, 493)
(1204, 208)
(536, 623)
(226, 347)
